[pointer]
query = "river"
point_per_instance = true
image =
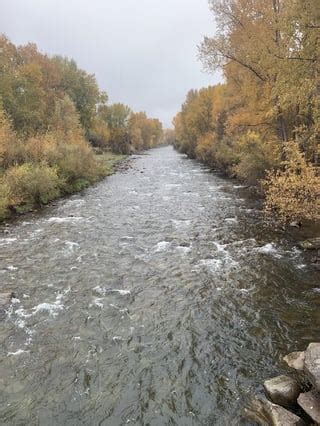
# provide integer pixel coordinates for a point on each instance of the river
(156, 297)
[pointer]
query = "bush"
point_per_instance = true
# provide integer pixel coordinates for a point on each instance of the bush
(11, 148)
(99, 134)
(294, 191)
(4, 200)
(76, 161)
(216, 152)
(29, 185)
(256, 157)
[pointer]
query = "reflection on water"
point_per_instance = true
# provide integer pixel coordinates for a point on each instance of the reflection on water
(154, 298)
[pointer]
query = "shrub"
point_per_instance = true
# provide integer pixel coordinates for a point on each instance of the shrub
(216, 152)
(11, 148)
(4, 199)
(294, 191)
(76, 161)
(30, 185)
(256, 156)
(99, 134)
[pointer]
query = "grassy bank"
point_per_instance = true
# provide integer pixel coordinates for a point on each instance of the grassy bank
(38, 187)
(108, 161)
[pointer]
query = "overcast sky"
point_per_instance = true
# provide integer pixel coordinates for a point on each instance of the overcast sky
(143, 52)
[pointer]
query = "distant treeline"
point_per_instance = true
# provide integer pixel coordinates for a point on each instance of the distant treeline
(263, 124)
(52, 114)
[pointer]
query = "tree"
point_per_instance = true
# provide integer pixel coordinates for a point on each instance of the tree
(82, 89)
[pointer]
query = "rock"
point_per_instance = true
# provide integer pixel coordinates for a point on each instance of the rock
(310, 244)
(265, 413)
(295, 360)
(312, 364)
(295, 224)
(310, 403)
(282, 390)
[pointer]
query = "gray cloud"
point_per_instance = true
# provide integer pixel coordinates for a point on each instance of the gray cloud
(143, 52)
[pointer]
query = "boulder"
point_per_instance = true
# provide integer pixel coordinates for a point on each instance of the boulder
(310, 244)
(312, 364)
(265, 413)
(282, 390)
(310, 403)
(295, 360)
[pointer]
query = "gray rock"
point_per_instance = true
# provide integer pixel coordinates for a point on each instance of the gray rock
(295, 224)
(265, 413)
(312, 364)
(282, 390)
(310, 244)
(295, 360)
(310, 403)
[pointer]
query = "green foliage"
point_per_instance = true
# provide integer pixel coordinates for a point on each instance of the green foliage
(107, 162)
(82, 89)
(65, 117)
(4, 199)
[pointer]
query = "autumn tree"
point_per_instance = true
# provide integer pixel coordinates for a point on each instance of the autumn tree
(269, 53)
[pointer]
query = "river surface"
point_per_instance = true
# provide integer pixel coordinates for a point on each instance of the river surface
(157, 297)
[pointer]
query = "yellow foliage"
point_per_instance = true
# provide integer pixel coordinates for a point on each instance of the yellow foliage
(293, 192)
(31, 184)
(256, 156)
(11, 149)
(99, 134)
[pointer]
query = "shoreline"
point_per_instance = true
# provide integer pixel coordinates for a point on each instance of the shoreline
(298, 233)
(112, 163)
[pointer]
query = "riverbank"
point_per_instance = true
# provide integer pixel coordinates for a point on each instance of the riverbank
(293, 397)
(107, 162)
(305, 234)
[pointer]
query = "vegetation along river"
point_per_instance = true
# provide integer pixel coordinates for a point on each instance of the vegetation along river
(157, 297)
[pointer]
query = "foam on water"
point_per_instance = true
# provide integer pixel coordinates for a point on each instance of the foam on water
(121, 292)
(212, 264)
(231, 220)
(71, 245)
(104, 291)
(269, 248)
(183, 249)
(18, 352)
(51, 308)
(5, 241)
(97, 302)
(64, 219)
(162, 246)
(220, 247)
(180, 223)
(11, 268)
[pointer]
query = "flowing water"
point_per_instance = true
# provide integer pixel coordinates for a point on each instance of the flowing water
(157, 297)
